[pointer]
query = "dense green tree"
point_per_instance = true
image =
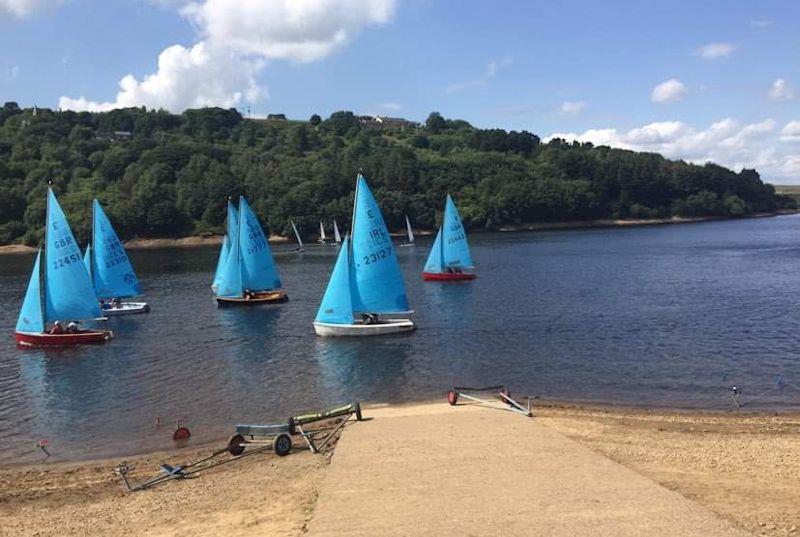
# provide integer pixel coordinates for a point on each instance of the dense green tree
(170, 175)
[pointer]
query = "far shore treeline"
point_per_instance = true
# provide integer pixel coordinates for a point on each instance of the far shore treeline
(164, 175)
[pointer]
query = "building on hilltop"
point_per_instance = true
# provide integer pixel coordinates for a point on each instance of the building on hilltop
(384, 122)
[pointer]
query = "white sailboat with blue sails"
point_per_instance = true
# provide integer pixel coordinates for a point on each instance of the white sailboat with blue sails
(225, 248)
(449, 259)
(366, 294)
(110, 269)
(249, 275)
(59, 290)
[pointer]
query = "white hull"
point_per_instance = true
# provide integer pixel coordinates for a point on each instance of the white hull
(391, 326)
(127, 308)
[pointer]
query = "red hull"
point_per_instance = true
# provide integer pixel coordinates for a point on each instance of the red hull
(84, 337)
(447, 277)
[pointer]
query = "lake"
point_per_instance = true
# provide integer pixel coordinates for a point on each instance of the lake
(665, 316)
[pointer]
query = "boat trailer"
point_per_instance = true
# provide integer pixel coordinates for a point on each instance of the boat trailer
(277, 437)
(503, 401)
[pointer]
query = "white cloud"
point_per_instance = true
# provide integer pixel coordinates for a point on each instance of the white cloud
(572, 108)
(186, 78)
(300, 30)
(669, 91)
(489, 73)
(237, 37)
(712, 51)
(781, 90)
(726, 142)
(791, 132)
(26, 8)
(761, 23)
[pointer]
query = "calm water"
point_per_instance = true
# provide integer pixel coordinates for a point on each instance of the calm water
(664, 316)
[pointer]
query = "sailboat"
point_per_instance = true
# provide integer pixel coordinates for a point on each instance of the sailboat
(409, 233)
(337, 238)
(59, 288)
(449, 256)
(297, 236)
(225, 248)
(110, 269)
(366, 295)
(249, 275)
(322, 237)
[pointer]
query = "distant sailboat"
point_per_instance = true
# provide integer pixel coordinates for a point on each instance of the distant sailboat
(110, 269)
(225, 249)
(249, 275)
(297, 236)
(59, 289)
(449, 256)
(337, 238)
(366, 288)
(322, 237)
(409, 234)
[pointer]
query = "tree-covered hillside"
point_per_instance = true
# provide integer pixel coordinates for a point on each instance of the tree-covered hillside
(160, 174)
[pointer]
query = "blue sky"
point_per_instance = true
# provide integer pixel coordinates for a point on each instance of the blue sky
(729, 71)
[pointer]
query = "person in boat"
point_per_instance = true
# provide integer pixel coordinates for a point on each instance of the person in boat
(115, 303)
(72, 327)
(57, 328)
(104, 305)
(449, 270)
(247, 294)
(369, 318)
(457, 271)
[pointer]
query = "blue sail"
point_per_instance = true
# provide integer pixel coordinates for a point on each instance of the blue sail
(258, 267)
(455, 250)
(230, 277)
(223, 256)
(336, 306)
(434, 262)
(112, 273)
(376, 283)
(31, 318)
(87, 260)
(68, 292)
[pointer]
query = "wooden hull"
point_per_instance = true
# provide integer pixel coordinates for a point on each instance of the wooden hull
(84, 337)
(392, 326)
(267, 297)
(448, 277)
(127, 308)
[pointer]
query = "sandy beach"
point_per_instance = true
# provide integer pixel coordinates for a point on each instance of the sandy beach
(744, 468)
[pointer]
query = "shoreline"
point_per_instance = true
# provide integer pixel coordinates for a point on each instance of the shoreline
(546, 406)
(742, 467)
(142, 243)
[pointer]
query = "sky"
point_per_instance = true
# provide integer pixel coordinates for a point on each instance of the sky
(700, 81)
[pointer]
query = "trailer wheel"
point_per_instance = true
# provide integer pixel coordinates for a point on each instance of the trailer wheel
(357, 405)
(452, 397)
(282, 445)
(236, 445)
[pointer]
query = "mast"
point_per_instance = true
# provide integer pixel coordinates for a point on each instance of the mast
(239, 249)
(353, 221)
(43, 268)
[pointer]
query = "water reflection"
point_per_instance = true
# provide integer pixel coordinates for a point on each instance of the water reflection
(364, 368)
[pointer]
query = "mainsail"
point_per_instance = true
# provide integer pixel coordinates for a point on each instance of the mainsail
(409, 232)
(258, 266)
(376, 283)
(68, 293)
(111, 271)
(455, 248)
(434, 262)
(297, 236)
(337, 238)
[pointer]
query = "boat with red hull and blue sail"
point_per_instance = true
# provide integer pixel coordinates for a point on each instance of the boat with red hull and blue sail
(449, 259)
(59, 290)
